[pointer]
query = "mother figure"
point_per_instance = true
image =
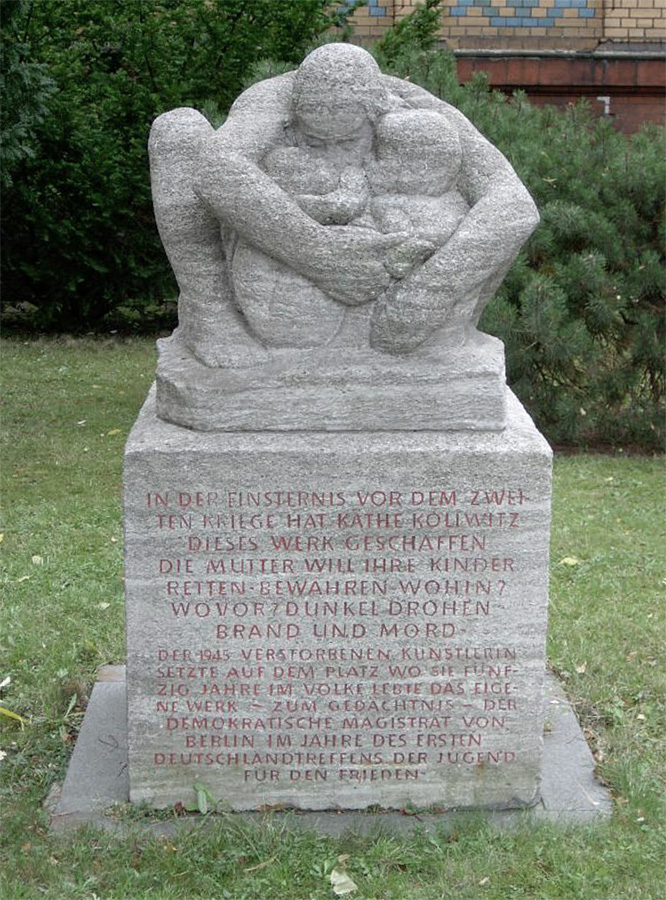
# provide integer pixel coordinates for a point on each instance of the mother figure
(226, 219)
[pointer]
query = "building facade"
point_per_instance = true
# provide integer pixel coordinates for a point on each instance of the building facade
(612, 52)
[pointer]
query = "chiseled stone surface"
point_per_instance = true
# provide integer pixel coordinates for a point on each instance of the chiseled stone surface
(338, 212)
(339, 389)
(336, 620)
(97, 784)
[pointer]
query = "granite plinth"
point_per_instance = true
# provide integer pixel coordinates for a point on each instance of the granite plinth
(342, 388)
(96, 786)
(322, 620)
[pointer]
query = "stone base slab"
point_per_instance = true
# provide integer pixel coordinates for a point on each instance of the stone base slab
(96, 787)
(340, 388)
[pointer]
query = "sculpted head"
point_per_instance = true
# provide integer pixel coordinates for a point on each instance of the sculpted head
(417, 152)
(338, 94)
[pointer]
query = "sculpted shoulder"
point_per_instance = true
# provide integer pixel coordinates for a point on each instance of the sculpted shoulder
(413, 96)
(257, 120)
(484, 168)
(264, 95)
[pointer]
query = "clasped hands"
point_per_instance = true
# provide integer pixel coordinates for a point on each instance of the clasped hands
(356, 265)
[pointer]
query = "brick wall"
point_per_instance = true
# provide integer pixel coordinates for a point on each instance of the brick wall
(528, 24)
(609, 51)
(630, 21)
(523, 24)
(628, 89)
(371, 21)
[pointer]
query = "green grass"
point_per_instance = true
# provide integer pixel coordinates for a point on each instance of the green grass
(68, 406)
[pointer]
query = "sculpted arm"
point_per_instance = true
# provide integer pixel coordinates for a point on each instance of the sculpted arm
(501, 218)
(467, 270)
(500, 204)
(245, 198)
(346, 263)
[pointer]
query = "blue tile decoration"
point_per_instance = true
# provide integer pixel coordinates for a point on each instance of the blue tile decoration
(517, 22)
(374, 9)
(527, 13)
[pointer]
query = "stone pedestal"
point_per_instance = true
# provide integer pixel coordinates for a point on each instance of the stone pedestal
(336, 621)
(345, 387)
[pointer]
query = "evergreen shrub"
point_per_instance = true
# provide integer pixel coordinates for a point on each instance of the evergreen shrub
(581, 312)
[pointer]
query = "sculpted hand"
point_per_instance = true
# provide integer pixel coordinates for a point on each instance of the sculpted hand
(352, 264)
(404, 258)
(335, 208)
(405, 316)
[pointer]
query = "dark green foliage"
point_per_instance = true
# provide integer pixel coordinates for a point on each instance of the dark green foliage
(585, 344)
(80, 248)
(416, 31)
(25, 88)
(582, 310)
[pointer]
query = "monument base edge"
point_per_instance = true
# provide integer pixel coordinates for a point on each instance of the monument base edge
(96, 787)
(341, 389)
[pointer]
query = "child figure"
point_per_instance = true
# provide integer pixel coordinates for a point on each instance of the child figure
(406, 189)
(413, 187)
(328, 194)
(412, 181)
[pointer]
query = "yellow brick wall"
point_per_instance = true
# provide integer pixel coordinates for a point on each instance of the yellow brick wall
(527, 24)
(368, 24)
(523, 25)
(635, 20)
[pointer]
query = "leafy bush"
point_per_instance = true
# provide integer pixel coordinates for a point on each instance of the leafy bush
(582, 311)
(25, 88)
(82, 82)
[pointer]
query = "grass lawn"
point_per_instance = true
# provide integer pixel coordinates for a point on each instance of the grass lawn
(68, 406)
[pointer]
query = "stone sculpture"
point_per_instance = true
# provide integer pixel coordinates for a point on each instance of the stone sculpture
(336, 208)
(335, 620)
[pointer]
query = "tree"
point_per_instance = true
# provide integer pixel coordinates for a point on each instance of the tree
(25, 89)
(79, 241)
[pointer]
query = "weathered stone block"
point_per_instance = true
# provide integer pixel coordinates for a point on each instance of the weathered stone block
(336, 620)
(342, 388)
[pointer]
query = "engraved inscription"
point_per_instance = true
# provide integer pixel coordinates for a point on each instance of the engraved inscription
(341, 631)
